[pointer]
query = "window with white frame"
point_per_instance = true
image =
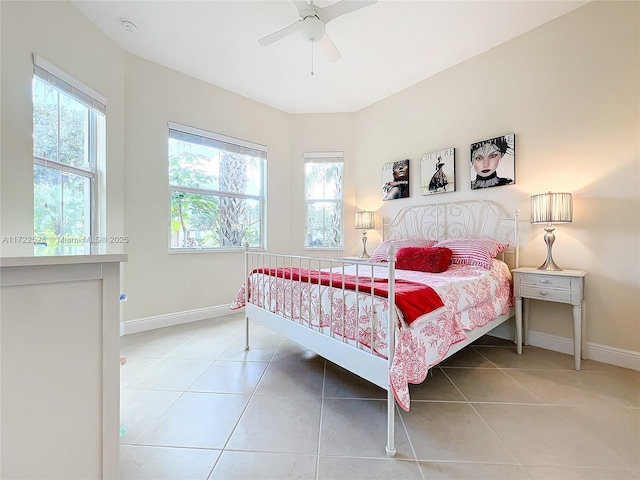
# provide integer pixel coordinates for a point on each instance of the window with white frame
(324, 199)
(68, 150)
(217, 187)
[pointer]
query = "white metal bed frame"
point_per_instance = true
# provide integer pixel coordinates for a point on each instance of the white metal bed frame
(466, 219)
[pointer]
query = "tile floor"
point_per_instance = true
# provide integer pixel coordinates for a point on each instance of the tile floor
(197, 406)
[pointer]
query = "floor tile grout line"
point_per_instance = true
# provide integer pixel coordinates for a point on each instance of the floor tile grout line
(513, 455)
(455, 386)
(139, 373)
(251, 397)
(483, 420)
(406, 432)
(159, 416)
(505, 370)
(324, 380)
(485, 357)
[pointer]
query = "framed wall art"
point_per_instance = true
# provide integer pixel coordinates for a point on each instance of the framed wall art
(493, 162)
(395, 180)
(438, 172)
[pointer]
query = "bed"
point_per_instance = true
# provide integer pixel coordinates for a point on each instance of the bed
(342, 309)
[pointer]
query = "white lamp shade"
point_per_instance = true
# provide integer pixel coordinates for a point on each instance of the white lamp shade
(365, 220)
(551, 208)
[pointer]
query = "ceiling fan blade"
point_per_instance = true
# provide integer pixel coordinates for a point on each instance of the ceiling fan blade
(329, 48)
(280, 34)
(303, 7)
(343, 7)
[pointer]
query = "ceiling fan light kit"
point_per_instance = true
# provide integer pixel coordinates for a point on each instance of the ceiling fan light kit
(312, 28)
(311, 24)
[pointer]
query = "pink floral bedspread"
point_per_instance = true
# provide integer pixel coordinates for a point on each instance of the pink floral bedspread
(472, 297)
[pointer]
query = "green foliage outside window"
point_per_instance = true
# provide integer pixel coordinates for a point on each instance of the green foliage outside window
(215, 197)
(323, 192)
(64, 166)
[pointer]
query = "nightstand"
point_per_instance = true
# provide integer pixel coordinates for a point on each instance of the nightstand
(563, 286)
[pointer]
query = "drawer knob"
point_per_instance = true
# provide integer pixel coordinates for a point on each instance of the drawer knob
(543, 293)
(544, 280)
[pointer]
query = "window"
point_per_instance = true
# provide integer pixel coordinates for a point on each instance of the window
(68, 148)
(323, 197)
(217, 189)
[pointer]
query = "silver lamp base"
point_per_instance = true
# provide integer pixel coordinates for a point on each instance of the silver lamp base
(364, 253)
(549, 264)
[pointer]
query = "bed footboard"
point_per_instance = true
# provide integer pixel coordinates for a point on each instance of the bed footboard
(334, 315)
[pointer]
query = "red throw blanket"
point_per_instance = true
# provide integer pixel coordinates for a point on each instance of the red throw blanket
(412, 299)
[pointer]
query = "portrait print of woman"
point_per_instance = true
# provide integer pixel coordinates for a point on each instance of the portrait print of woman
(493, 162)
(395, 180)
(438, 172)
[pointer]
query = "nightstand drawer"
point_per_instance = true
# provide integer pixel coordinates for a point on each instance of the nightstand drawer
(545, 280)
(544, 293)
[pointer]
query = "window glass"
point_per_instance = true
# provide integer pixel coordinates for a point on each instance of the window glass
(60, 127)
(66, 135)
(324, 202)
(217, 191)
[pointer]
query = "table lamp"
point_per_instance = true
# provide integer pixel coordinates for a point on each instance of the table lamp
(365, 221)
(551, 208)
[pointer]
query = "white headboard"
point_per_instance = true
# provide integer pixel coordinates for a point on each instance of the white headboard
(464, 219)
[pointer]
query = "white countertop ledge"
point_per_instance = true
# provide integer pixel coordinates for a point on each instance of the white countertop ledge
(27, 255)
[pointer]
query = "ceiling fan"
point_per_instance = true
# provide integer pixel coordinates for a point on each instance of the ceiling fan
(312, 21)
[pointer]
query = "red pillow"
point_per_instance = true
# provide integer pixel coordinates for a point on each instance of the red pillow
(380, 254)
(423, 259)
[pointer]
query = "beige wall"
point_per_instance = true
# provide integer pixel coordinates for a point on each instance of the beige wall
(158, 282)
(60, 34)
(569, 90)
(321, 133)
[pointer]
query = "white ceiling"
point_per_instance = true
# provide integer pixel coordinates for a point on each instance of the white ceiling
(385, 47)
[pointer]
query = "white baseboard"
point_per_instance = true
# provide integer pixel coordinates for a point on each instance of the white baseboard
(159, 321)
(505, 331)
(599, 353)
